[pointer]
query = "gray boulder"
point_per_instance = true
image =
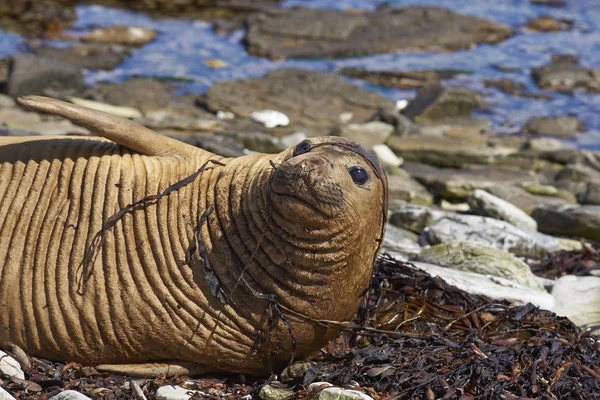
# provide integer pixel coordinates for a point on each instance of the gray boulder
(492, 232)
(33, 75)
(488, 205)
(318, 33)
(571, 220)
(481, 259)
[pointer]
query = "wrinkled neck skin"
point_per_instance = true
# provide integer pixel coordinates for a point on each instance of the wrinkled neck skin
(308, 262)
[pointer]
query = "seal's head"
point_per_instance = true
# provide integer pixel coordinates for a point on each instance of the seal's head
(327, 198)
(325, 179)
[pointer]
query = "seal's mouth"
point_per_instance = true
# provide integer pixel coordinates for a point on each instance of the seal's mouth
(306, 187)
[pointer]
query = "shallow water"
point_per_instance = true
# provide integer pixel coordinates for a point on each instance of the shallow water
(184, 45)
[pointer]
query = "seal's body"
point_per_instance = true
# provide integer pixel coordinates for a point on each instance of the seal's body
(227, 271)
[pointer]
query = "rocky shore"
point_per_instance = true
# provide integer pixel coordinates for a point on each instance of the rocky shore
(511, 220)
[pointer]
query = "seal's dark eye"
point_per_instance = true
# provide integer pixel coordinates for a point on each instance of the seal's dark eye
(359, 175)
(303, 147)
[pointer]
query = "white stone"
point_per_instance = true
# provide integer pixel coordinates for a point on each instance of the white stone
(70, 395)
(578, 298)
(270, 118)
(346, 117)
(457, 207)
(10, 367)
(490, 286)
(401, 104)
(4, 395)
(171, 392)
(398, 245)
(387, 156)
(337, 393)
(293, 139)
(225, 115)
(120, 111)
(488, 205)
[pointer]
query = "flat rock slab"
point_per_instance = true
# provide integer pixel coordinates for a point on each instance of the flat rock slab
(413, 79)
(490, 286)
(457, 184)
(567, 76)
(446, 152)
(523, 199)
(491, 232)
(313, 101)
(400, 244)
(409, 190)
(87, 55)
(572, 220)
(486, 204)
(563, 127)
(308, 32)
(481, 259)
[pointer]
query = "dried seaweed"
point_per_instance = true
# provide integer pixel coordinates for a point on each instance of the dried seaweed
(414, 337)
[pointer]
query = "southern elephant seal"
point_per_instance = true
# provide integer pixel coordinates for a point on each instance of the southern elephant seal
(226, 270)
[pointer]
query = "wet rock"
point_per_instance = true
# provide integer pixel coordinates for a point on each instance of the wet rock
(275, 391)
(569, 220)
(488, 205)
(71, 395)
(172, 392)
(87, 55)
(523, 199)
(549, 3)
(400, 244)
(566, 76)
(296, 371)
(337, 393)
(30, 74)
(547, 23)
(578, 298)
(435, 102)
(308, 32)
(490, 286)
(491, 232)
(4, 395)
(563, 127)
(401, 79)
(514, 88)
(409, 190)
(119, 34)
(457, 184)
(312, 100)
(481, 259)
(154, 98)
(415, 218)
(368, 134)
(402, 125)
(446, 152)
(34, 18)
(10, 367)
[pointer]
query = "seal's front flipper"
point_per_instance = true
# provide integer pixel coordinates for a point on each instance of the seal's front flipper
(153, 370)
(120, 130)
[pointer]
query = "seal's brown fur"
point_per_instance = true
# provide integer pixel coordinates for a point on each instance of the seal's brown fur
(225, 273)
